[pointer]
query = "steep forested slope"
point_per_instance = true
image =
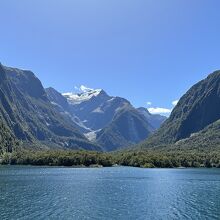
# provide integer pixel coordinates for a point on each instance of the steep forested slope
(29, 115)
(197, 109)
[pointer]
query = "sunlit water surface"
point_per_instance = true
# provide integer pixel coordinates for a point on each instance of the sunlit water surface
(109, 193)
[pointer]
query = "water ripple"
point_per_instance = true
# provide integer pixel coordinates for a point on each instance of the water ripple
(109, 193)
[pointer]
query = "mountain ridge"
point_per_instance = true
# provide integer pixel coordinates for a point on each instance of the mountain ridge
(197, 109)
(128, 127)
(97, 112)
(30, 116)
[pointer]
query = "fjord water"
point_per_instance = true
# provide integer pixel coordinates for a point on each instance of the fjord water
(109, 193)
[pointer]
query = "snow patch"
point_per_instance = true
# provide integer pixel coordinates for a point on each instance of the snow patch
(82, 97)
(112, 99)
(91, 136)
(98, 110)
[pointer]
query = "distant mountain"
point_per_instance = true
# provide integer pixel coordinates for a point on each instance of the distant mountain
(29, 116)
(197, 109)
(155, 120)
(95, 108)
(127, 127)
(62, 105)
(112, 122)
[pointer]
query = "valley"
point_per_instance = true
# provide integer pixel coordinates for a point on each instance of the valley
(44, 127)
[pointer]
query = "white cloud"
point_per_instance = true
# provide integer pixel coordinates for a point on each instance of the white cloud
(158, 110)
(174, 103)
(161, 110)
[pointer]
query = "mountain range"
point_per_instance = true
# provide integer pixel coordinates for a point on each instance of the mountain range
(111, 122)
(33, 117)
(37, 118)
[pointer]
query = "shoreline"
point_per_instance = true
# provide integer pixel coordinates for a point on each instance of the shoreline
(100, 167)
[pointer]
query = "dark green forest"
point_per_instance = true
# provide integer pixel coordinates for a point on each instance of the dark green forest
(144, 159)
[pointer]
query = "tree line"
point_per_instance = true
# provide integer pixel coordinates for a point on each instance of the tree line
(144, 159)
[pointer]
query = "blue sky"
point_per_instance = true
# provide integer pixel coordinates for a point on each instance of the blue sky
(143, 50)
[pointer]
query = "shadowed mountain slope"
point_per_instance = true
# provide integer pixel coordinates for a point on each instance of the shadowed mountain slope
(197, 109)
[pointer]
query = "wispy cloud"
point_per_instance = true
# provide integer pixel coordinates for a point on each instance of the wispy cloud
(158, 110)
(149, 103)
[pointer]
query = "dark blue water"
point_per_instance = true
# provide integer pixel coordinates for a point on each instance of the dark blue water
(109, 193)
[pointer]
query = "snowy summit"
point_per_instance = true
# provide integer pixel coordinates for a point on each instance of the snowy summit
(85, 95)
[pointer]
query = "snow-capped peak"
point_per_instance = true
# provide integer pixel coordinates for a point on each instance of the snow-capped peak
(74, 98)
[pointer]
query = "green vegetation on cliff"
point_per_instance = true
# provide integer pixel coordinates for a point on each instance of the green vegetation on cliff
(197, 109)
